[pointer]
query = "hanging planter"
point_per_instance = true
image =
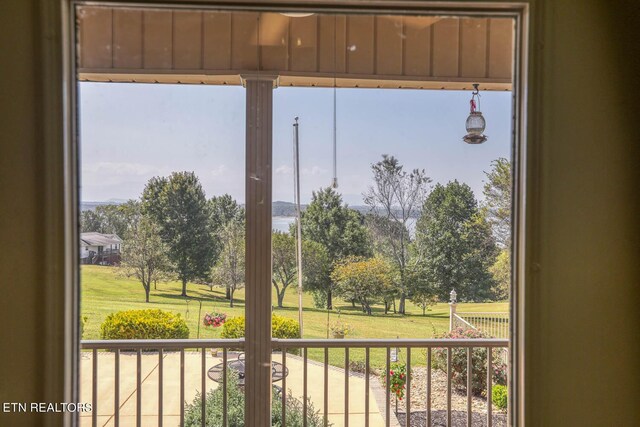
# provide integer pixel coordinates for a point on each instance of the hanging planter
(475, 122)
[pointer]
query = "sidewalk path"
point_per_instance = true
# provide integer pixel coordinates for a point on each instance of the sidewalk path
(192, 368)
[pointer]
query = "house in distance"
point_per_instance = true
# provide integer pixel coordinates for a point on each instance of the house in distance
(100, 249)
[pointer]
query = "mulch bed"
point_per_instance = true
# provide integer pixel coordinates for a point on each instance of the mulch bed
(439, 403)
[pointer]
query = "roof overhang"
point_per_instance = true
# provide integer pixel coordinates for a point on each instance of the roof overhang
(369, 51)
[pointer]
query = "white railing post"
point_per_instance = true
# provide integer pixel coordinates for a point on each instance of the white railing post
(452, 308)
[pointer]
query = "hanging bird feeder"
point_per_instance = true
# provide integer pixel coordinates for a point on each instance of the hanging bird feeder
(475, 122)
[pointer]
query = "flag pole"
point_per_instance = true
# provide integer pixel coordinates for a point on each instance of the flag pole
(296, 169)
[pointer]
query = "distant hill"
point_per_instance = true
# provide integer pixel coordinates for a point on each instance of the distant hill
(279, 208)
(90, 206)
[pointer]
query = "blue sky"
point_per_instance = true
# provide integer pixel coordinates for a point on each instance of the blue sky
(132, 132)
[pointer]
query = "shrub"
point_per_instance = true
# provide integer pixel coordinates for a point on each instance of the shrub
(499, 396)
(478, 362)
(233, 328)
(281, 327)
(143, 324)
(398, 376)
(235, 408)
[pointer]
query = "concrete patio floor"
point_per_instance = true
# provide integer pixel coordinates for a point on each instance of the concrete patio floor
(193, 363)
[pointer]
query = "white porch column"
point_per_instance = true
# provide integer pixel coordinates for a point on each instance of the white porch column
(259, 95)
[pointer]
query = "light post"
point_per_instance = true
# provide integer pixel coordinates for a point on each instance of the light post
(452, 307)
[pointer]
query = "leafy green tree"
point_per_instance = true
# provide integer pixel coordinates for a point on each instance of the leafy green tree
(340, 230)
(423, 292)
(362, 280)
(455, 243)
(498, 202)
(316, 271)
(111, 219)
(144, 255)
(501, 271)
(285, 271)
(229, 269)
(179, 206)
(396, 196)
(498, 199)
(91, 221)
(222, 210)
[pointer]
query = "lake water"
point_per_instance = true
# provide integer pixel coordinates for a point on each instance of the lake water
(282, 223)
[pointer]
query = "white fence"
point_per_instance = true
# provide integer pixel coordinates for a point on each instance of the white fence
(495, 325)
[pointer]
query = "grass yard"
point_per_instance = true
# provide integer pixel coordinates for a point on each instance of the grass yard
(103, 291)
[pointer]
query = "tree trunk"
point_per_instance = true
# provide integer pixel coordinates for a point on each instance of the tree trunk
(329, 301)
(394, 305)
(184, 288)
(353, 303)
(147, 290)
(280, 298)
(229, 294)
(401, 306)
(366, 308)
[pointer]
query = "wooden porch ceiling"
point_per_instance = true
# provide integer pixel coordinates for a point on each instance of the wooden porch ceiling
(210, 47)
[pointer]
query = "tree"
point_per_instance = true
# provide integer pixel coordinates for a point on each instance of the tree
(111, 219)
(423, 292)
(340, 230)
(222, 210)
(498, 201)
(455, 243)
(144, 255)
(179, 206)
(229, 269)
(497, 193)
(285, 271)
(501, 271)
(362, 280)
(316, 271)
(91, 221)
(396, 196)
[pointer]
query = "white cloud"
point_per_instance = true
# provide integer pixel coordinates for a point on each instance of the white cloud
(284, 170)
(220, 170)
(314, 171)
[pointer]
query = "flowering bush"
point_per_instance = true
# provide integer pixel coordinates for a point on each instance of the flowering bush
(397, 378)
(478, 363)
(340, 328)
(214, 319)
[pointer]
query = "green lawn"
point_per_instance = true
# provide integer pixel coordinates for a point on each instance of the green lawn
(103, 291)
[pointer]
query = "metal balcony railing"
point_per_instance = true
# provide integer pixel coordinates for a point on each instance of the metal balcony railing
(159, 348)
